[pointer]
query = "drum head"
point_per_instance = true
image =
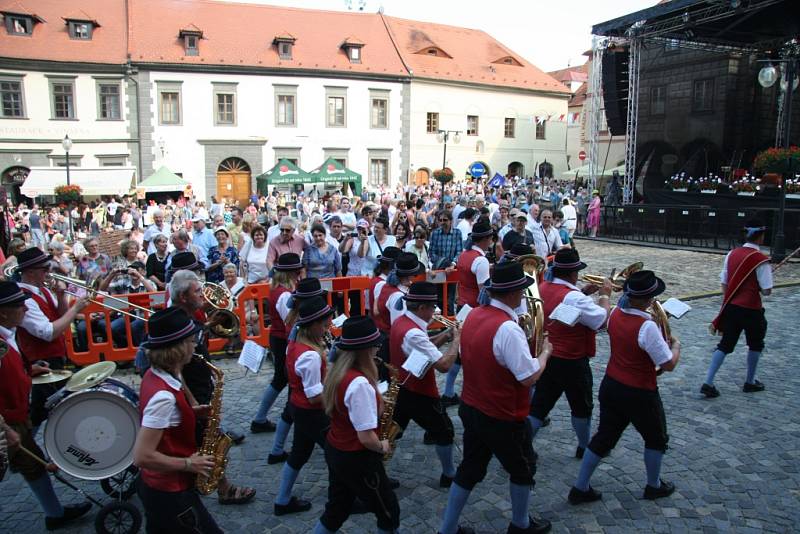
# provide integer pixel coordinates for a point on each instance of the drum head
(91, 434)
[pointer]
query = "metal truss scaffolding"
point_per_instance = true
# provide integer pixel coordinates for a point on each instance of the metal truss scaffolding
(594, 117)
(631, 126)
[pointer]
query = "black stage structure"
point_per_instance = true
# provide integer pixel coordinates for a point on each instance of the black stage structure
(679, 80)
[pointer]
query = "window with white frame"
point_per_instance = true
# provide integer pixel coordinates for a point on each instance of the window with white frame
(169, 103)
(108, 100)
(703, 95)
(379, 165)
(12, 101)
(226, 108)
(472, 125)
(62, 98)
(509, 127)
(541, 130)
(379, 109)
(285, 105)
(336, 99)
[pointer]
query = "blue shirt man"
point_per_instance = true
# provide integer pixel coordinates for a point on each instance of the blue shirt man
(203, 238)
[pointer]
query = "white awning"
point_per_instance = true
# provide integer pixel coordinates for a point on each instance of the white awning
(94, 182)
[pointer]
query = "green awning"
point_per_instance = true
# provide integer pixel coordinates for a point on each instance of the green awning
(162, 181)
(284, 172)
(333, 171)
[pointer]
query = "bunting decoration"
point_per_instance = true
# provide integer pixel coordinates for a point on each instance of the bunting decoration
(569, 118)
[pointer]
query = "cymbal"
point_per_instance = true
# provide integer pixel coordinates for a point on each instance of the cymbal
(90, 376)
(55, 375)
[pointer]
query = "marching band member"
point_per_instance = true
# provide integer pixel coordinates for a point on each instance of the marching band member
(287, 270)
(47, 317)
(166, 449)
(418, 398)
(568, 370)
(629, 392)
(389, 305)
(473, 271)
(305, 364)
(746, 275)
(15, 389)
(354, 453)
(495, 401)
(382, 270)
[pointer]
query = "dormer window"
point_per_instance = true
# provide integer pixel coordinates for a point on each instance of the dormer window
(285, 50)
(80, 30)
(285, 43)
(434, 51)
(508, 60)
(352, 48)
(191, 36)
(20, 23)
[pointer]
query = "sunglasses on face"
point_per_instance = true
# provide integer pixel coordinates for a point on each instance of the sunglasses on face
(286, 230)
(443, 220)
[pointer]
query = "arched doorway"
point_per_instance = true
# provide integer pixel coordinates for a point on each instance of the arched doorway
(515, 168)
(422, 177)
(233, 181)
(12, 179)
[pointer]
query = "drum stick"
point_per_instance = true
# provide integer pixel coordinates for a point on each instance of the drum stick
(33, 455)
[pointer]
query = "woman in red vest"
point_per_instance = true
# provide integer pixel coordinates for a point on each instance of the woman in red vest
(165, 449)
(305, 365)
(629, 392)
(382, 270)
(746, 275)
(354, 453)
(15, 388)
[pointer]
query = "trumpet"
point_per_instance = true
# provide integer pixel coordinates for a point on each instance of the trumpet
(92, 288)
(449, 323)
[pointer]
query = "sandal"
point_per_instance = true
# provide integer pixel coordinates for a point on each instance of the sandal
(237, 495)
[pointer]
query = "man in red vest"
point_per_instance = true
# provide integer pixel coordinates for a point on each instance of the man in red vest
(746, 275)
(15, 387)
(498, 374)
(629, 392)
(473, 271)
(568, 370)
(47, 318)
(418, 398)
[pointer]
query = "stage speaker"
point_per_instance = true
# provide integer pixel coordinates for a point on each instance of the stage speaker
(615, 89)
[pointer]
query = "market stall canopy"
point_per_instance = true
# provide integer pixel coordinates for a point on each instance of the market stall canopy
(284, 172)
(619, 169)
(162, 181)
(93, 182)
(333, 171)
(579, 171)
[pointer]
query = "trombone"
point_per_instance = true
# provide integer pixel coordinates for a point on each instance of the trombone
(92, 288)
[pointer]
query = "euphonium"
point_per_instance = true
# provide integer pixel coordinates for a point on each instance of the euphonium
(623, 275)
(388, 428)
(215, 442)
(226, 323)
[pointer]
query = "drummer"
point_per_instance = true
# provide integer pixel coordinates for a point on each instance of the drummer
(166, 450)
(47, 317)
(15, 387)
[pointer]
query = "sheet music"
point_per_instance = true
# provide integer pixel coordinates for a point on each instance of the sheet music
(252, 355)
(564, 313)
(339, 321)
(676, 308)
(383, 387)
(417, 363)
(461, 316)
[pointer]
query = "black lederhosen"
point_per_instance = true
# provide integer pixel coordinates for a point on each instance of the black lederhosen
(310, 427)
(572, 377)
(21, 463)
(181, 512)
(358, 474)
(734, 319)
(484, 437)
(427, 412)
(621, 405)
(278, 348)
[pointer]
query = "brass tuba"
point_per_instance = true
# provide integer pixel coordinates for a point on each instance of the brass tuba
(223, 322)
(532, 321)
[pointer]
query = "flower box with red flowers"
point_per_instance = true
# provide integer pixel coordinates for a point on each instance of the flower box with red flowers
(68, 193)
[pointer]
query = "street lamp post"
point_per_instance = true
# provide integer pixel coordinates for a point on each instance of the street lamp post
(443, 136)
(66, 144)
(767, 77)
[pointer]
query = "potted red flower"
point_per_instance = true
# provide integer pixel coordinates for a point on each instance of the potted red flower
(776, 162)
(68, 193)
(443, 175)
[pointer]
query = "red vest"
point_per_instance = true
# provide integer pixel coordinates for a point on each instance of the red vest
(374, 281)
(34, 348)
(277, 326)
(748, 295)
(384, 319)
(467, 283)
(342, 435)
(178, 441)
(425, 386)
(488, 386)
(15, 388)
(569, 342)
(629, 363)
(297, 395)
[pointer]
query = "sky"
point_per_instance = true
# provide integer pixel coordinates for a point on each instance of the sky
(551, 34)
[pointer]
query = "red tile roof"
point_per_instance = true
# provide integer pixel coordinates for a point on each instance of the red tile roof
(50, 40)
(579, 73)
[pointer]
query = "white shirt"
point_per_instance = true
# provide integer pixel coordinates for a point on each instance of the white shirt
(650, 339)
(546, 241)
(151, 233)
(503, 231)
(309, 368)
(348, 219)
(592, 316)
(480, 267)
(273, 232)
(510, 347)
(162, 408)
(35, 321)
(373, 251)
(9, 335)
(570, 216)
(763, 271)
(391, 303)
(362, 406)
(465, 226)
(256, 259)
(416, 339)
(378, 288)
(457, 211)
(282, 305)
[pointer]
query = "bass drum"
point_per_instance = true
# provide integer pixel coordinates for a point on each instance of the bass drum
(90, 434)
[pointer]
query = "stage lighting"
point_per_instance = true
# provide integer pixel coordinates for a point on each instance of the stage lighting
(767, 76)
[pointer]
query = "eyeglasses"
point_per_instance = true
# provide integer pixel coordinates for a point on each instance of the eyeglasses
(287, 230)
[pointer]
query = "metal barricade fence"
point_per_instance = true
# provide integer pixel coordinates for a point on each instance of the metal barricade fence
(94, 340)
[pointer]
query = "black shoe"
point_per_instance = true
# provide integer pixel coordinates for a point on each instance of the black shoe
(752, 388)
(393, 483)
(535, 526)
(665, 490)
(579, 452)
(427, 439)
(273, 459)
(295, 505)
(445, 481)
(545, 422)
(448, 401)
(463, 530)
(709, 391)
(258, 428)
(70, 514)
(577, 496)
(236, 437)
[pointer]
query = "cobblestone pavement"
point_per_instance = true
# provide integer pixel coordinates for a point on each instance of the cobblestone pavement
(733, 459)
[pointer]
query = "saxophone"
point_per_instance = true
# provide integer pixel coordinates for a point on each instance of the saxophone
(389, 429)
(215, 443)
